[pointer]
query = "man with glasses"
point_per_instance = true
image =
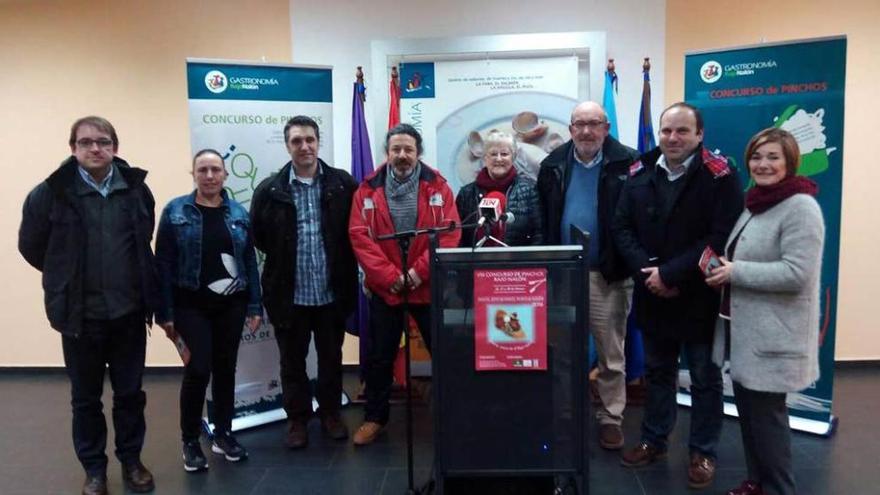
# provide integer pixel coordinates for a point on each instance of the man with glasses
(579, 184)
(88, 228)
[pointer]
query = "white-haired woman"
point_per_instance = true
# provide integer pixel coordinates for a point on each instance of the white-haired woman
(521, 196)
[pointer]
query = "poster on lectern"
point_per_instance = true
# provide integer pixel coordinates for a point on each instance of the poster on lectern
(510, 318)
(239, 109)
(455, 103)
(797, 86)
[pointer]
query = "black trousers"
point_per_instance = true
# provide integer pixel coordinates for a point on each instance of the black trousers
(120, 345)
(328, 325)
(386, 328)
(766, 436)
(661, 372)
(212, 333)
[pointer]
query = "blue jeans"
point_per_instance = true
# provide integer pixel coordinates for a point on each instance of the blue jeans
(661, 363)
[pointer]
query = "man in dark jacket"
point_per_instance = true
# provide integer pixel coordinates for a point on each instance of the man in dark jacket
(300, 222)
(678, 200)
(579, 184)
(88, 228)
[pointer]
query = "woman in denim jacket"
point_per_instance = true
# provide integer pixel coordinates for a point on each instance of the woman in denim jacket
(209, 285)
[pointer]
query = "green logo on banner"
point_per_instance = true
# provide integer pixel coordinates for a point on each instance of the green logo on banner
(216, 81)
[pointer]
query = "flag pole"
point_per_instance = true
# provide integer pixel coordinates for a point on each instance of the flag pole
(359, 79)
(646, 128)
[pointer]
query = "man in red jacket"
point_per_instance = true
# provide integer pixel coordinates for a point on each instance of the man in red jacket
(403, 194)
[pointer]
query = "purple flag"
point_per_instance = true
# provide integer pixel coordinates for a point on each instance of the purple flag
(361, 168)
(361, 156)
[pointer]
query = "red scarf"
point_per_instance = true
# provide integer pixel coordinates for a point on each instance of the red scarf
(488, 184)
(761, 198)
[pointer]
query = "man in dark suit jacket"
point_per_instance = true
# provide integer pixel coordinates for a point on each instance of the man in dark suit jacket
(679, 199)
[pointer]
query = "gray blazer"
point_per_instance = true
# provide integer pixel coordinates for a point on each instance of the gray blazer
(774, 304)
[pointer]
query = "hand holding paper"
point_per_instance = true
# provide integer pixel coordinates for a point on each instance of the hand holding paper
(720, 276)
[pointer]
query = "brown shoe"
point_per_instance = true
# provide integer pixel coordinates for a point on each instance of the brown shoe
(95, 485)
(137, 478)
(297, 435)
(701, 472)
(610, 437)
(367, 433)
(334, 428)
(641, 455)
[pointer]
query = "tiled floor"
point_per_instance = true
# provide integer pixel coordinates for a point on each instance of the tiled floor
(37, 456)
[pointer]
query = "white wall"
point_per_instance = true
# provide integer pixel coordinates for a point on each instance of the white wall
(339, 33)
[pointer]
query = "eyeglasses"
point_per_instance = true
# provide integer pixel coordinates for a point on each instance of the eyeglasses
(87, 143)
(590, 124)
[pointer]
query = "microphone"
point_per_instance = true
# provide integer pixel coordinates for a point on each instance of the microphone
(491, 207)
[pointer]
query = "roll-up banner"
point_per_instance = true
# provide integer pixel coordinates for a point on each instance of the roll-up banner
(797, 86)
(239, 109)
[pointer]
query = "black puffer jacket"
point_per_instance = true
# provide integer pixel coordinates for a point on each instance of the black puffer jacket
(522, 201)
(553, 180)
(52, 239)
(273, 220)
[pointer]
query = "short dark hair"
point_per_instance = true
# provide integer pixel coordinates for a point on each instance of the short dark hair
(697, 115)
(302, 121)
(208, 151)
(99, 123)
(790, 150)
(407, 130)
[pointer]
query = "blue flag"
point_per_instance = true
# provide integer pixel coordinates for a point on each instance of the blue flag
(361, 168)
(608, 101)
(635, 353)
(646, 129)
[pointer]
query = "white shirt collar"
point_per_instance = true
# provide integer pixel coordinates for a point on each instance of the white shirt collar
(672, 176)
(597, 160)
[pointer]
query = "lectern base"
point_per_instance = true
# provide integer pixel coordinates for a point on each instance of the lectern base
(534, 485)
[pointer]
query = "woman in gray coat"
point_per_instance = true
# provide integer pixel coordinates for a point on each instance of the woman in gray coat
(769, 325)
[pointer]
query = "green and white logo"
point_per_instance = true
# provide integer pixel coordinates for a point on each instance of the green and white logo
(216, 81)
(710, 72)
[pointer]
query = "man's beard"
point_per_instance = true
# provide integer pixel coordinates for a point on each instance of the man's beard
(399, 173)
(587, 149)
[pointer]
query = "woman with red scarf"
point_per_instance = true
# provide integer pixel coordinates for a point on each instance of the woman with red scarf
(769, 325)
(521, 197)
